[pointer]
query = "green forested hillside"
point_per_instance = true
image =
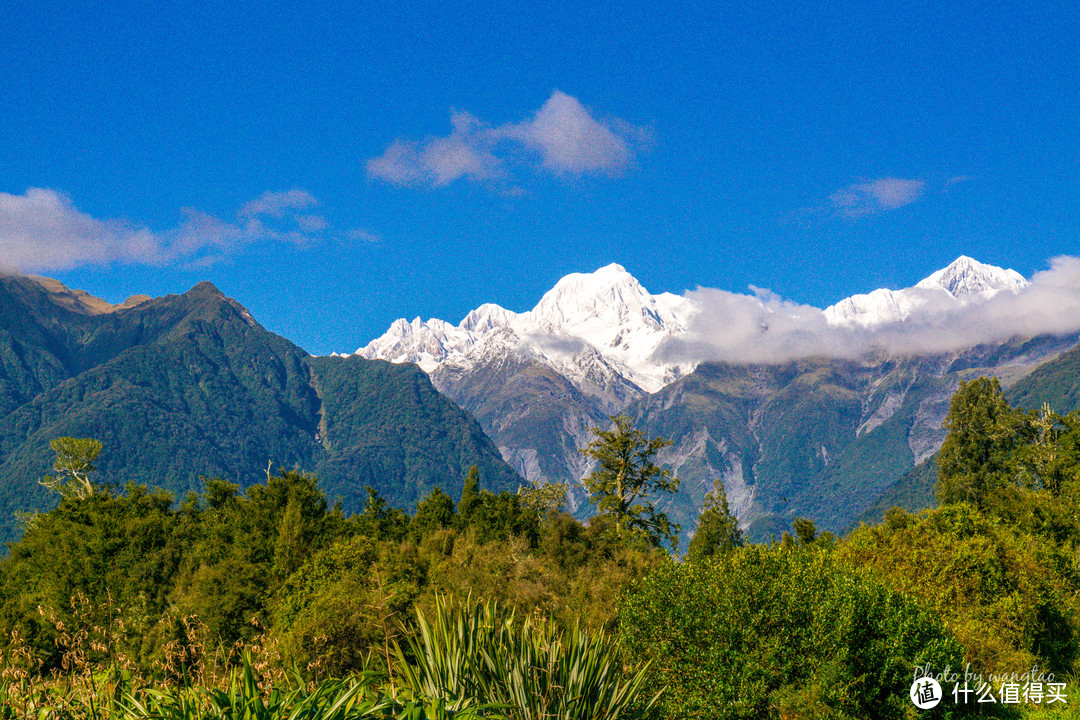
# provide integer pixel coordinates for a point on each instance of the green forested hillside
(191, 385)
(385, 425)
(1056, 384)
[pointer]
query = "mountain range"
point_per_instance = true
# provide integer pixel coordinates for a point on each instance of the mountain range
(831, 414)
(812, 433)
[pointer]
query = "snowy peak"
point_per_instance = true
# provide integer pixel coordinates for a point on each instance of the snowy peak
(965, 277)
(599, 306)
(875, 308)
(605, 314)
(487, 317)
(963, 280)
(610, 294)
(425, 343)
(605, 324)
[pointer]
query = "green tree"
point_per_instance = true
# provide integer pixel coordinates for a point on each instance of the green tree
(379, 521)
(977, 456)
(73, 465)
(434, 512)
(470, 497)
(545, 498)
(718, 529)
(805, 530)
(626, 476)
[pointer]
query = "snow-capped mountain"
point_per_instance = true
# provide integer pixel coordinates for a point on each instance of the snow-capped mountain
(964, 280)
(603, 327)
(538, 381)
(587, 326)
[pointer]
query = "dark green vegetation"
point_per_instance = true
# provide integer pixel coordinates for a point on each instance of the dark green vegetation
(188, 385)
(273, 599)
(780, 632)
(626, 476)
(826, 438)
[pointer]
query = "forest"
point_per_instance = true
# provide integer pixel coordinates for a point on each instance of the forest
(127, 602)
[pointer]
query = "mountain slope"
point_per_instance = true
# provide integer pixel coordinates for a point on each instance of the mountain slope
(1056, 383)
(189, 385)
(818, 438)
(813, 436)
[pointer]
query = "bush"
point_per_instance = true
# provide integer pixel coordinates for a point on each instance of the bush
(528, 668)
(766, 631)
(1007, 595)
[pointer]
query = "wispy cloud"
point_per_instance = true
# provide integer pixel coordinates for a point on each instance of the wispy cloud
(365, 236)
(765, 328)
(276, 204)
(875, 196)
(42, 229)
(562, 138)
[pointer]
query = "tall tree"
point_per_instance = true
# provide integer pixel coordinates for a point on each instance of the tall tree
(434, 512)
(471, 499)
(984, 433)
(718, 529)
(626, 477)
(73, 465)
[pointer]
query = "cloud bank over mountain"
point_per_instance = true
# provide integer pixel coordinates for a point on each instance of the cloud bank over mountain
(765, 328)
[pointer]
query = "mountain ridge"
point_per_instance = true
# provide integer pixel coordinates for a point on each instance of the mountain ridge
(538, 401)
(191, 384)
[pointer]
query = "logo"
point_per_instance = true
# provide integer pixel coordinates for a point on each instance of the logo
(926, 693)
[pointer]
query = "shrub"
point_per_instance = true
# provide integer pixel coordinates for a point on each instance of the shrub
(763, 631)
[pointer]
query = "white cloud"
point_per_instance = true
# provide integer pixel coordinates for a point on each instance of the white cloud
(43, 230)
(569, 139)
(875, 196)
(764, 328)
(562, 135)
(275, 204)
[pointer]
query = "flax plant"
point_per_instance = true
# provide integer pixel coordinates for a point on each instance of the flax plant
(530, 670)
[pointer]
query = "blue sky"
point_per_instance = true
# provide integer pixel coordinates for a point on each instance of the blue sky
(335, 166)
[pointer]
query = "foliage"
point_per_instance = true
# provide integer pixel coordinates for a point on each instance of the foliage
(379, 521)
(530, 669)
(548, 497)
(718, 529)
(341, 608)
(73, 465)
(1008, 596)
(435, 512)
(983, 432)
(626, 477)
(767, 630)
(242, 692)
